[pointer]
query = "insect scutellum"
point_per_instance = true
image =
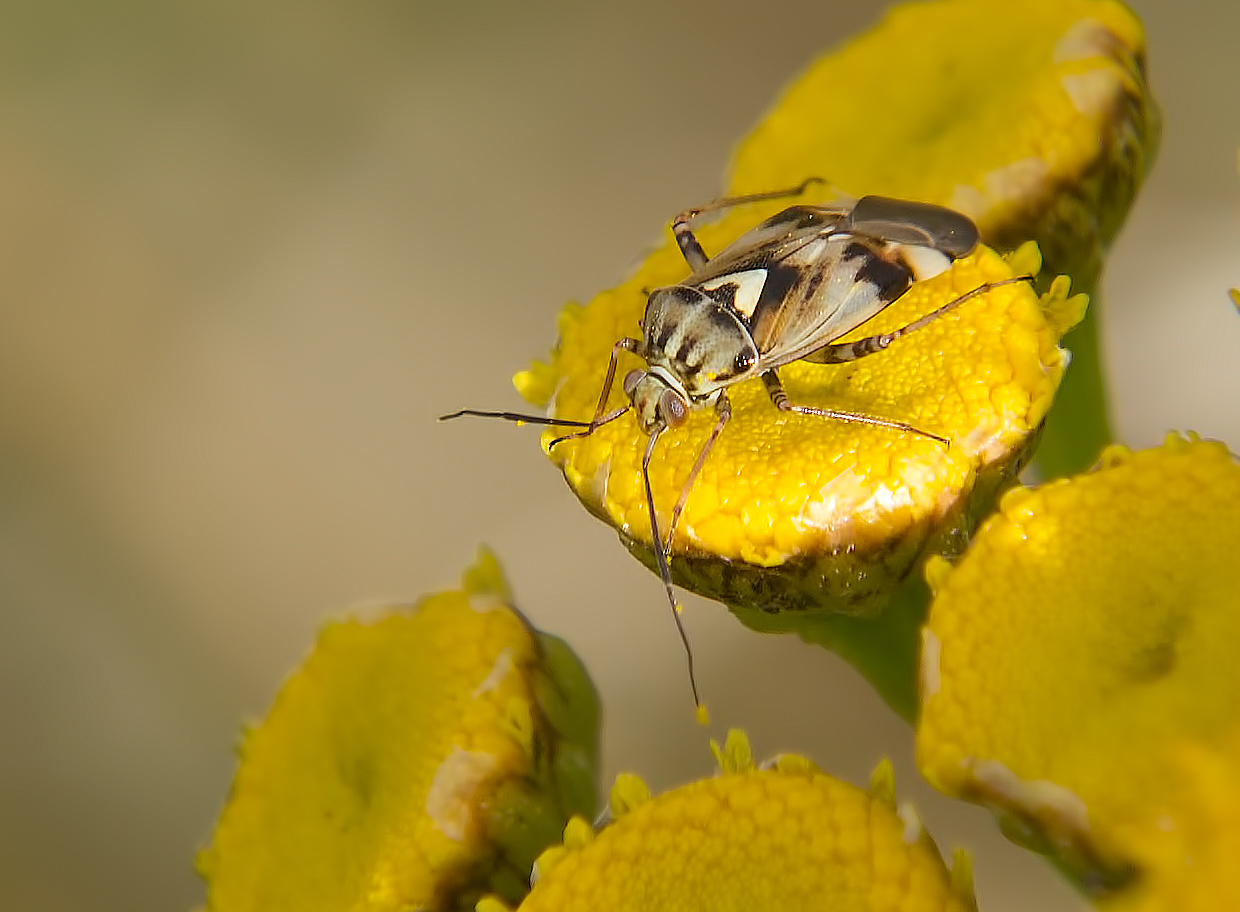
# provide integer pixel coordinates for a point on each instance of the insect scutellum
(784, 291)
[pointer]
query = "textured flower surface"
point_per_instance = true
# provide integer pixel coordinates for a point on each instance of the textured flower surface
(784, 837)
(412, 762)
(1079, 671)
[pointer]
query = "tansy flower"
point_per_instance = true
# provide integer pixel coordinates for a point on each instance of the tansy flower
(1079, 672)
(415, 760)
(784, 837)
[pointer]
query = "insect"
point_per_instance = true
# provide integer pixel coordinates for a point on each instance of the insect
(782, 292)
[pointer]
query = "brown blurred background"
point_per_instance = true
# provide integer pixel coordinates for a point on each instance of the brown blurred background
(249, 251)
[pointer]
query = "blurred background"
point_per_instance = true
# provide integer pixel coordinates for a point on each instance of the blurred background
(249, 251)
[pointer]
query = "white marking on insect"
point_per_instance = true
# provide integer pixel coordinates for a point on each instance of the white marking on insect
(782, 292)
(925, 262)
(748, 291)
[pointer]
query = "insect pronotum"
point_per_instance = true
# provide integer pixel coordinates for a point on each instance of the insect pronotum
(782, 292)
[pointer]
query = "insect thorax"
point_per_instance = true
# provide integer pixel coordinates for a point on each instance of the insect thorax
(697, 339)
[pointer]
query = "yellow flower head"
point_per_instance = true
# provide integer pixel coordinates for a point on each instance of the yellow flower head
(785, 837)
(414, 761)
(1033, 118)
(805, 510)
(1079, 664)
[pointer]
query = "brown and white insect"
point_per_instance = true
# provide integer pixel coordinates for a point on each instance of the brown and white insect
(781, 292)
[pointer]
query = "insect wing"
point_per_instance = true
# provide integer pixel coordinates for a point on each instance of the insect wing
(793, 278)
(825, 289)
(778, 238)
(810, 275)
(916, 224)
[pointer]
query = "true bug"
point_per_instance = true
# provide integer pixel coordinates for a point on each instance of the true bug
(781, 292)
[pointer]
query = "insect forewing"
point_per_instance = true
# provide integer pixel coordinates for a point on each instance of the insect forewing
(810, 274)
(794, 278)
(848, 283)
(778, 237)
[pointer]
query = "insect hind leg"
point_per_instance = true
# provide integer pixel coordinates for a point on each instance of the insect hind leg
(841, 352)
(723, 411)
(775, 389)
(694, 255)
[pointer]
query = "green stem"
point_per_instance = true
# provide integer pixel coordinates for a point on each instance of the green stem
(1077, 427)
(884, 649)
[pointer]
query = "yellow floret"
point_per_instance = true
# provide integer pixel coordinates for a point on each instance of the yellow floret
(1190, 866)
(1040, 127)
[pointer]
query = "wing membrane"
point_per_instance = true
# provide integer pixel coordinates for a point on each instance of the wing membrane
(825, 270)
(833, 285)
(776, 239)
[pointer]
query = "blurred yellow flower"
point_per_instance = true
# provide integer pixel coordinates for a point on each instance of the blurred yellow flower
(781, 837)
(414, 761)
(1079, 672)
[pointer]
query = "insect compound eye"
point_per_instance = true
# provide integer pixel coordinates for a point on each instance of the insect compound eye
(743, 362)
(673, 409)
(631, 379)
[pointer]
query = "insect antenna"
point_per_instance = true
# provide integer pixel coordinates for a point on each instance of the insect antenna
(587, 427)
(517, 417)
(665, 572)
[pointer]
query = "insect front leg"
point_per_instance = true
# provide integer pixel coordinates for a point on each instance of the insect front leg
(775, 389)
(600, 418)
(723, 411)
(660, 559)
(694, 255)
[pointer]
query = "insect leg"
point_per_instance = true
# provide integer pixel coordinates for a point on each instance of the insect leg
(839, 352)
(689, 246)
(775, 389)
(723, 409)
(600, 418)
(587, 427)
(661, 560)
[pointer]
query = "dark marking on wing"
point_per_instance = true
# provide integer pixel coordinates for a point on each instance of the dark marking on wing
(664, 338)
(814, 283)
(780, 279)
(773, 241)
(910, 222)
(891, 279)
